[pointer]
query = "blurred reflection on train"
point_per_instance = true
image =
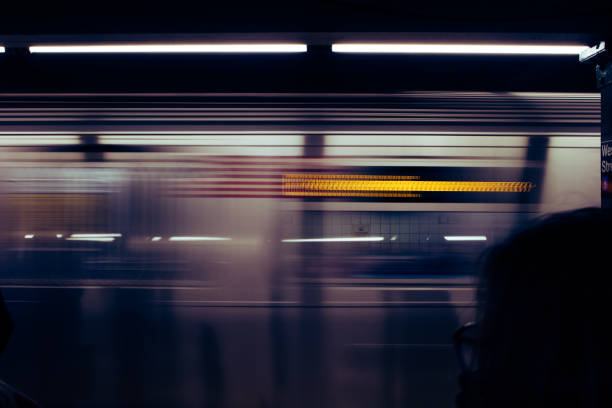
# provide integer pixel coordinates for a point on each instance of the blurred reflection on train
(266, 250)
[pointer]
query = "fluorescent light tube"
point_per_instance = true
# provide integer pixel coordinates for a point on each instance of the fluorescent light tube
(423, 48)
(218, 48)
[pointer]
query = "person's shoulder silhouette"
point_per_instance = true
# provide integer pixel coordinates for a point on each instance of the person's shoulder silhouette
(10, 397)
(544, 315)
(6, 325)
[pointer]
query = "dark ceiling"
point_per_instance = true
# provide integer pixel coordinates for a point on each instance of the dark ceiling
(112, 16)
(315, 22)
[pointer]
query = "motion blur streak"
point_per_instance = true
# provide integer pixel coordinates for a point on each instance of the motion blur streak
(164, 315)
(295, 185)
(198, 239)
(520, 49)
(96, 235)
(465, 238)
(337, 239)
(100, 239)
(182, 139)
(37, 140)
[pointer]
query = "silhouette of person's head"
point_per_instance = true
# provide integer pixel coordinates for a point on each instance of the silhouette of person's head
(544, 315)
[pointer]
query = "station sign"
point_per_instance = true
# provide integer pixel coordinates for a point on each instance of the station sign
(606, 173)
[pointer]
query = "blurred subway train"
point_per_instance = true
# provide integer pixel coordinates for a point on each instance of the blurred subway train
(266, 250)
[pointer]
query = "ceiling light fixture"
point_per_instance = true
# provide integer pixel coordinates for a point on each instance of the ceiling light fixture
(213, 48)
(424, 48)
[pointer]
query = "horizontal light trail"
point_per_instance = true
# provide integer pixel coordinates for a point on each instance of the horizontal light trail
(387, 186)
(168, 132)
(197, 238)
(336, 239)
(199, 132)
(334, 118)
(465, 238)
(200, 48)
(285, 133)
(285, 112)
(399, 95)
(97, 235)
(203, 139)
(28, 236)
(557, 95)
(374, 112)
(109, 137)
(453, 141)
(93, 237)
(14, 139)
(424, 48)
(155, 239)
(100, 239)
(459, 133)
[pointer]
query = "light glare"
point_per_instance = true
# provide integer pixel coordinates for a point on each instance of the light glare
(28, 236)
(423, 48)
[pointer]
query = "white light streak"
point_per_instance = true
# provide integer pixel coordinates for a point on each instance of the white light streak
(206, 132)
(181, 139)
(28, 236)
(465, 237)
(59, 235)
(337, 239)
(444, 132)
(211, 48)
(2, 49)
(37, 140)
(557, 95)
(96, 235)
(100, 239)
(197, 238)
(155, 239)
(424, 48)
